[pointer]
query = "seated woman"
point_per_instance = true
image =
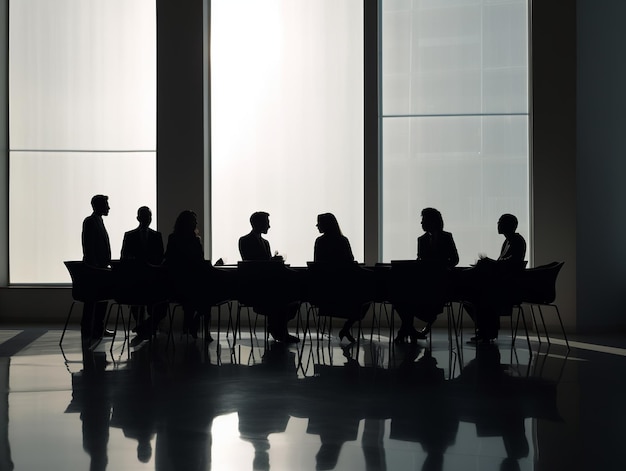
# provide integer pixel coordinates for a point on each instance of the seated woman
(184, 258)
(333, 246)
(437, 250)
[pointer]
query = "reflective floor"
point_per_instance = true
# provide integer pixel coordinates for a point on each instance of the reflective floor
(314, 405)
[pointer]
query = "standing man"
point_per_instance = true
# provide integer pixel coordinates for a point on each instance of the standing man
(96, 254)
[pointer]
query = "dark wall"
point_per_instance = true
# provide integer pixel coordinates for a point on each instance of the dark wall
(553, 156)
(181, 158)
(601, 164)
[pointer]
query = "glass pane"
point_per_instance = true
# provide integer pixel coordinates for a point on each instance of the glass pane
(50, 197)
(287, 121)
(82, 74)
(473, 169)
(461, 57)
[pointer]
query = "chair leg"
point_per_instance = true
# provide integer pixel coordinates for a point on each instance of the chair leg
(543, 322)
(67, 320)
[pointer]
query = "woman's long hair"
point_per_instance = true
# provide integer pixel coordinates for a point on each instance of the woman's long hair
(186, 223)
(328, 224)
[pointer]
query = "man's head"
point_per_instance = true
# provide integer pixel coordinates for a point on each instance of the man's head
(260, 222)
(144, 216)
(100, 205)
(507, 224)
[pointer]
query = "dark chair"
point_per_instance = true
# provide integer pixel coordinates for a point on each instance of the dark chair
(382, 305)
(206, 288)
(538, 289)
(90, 285)
(509, 294)
(137, 284)
(267, 287)
(338, 289)
(420, 288)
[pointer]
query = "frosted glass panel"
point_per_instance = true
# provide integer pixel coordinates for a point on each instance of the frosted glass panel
(50, 197)
(82, 74)
(461, 57)
(287, 121)
(473, 169)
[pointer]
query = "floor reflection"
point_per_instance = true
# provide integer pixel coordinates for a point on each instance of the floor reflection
(254, 406)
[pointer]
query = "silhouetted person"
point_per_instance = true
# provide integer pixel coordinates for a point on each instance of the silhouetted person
(143, 244)
(333, 246)
(184, 258)
(492, 281)
(97, 254)
(437, 250)
(143, 247)
(253, 247)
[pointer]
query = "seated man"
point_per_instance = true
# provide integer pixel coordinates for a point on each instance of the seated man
(490, 281)
(253, 247)
(144, 246)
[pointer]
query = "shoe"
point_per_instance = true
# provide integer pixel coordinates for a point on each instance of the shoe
(108, 333)
(285, 337)
(345, 333)
(418, 334)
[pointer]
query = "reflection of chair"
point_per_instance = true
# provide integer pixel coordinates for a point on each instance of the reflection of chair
(338, 289)
(538, 287)
(269, 288)
(90, 285)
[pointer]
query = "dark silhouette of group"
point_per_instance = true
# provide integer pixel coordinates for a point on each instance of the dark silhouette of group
(484, 287)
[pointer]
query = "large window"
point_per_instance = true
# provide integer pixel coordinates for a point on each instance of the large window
(82, 113)
(455, 120)
(287, 121)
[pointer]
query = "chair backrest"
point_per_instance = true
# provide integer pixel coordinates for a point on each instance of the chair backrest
(266, 282)
(89, 284)
(338, 282)
(136, 282)
(416, 282)
(538, 284)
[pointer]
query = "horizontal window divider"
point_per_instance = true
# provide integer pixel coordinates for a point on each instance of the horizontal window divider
(459, 115)
(84, 151)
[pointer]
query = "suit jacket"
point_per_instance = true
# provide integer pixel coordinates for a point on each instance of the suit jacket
(253, 247)
(145, 246)
(96, 245)
(441, 251)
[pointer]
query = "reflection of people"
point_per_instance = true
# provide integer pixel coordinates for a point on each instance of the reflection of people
(97, 254)
(90, 393)
(254, 248)
(437, 250)
(184, 257)
(144, 246)
(491, 280)
(333, 246)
